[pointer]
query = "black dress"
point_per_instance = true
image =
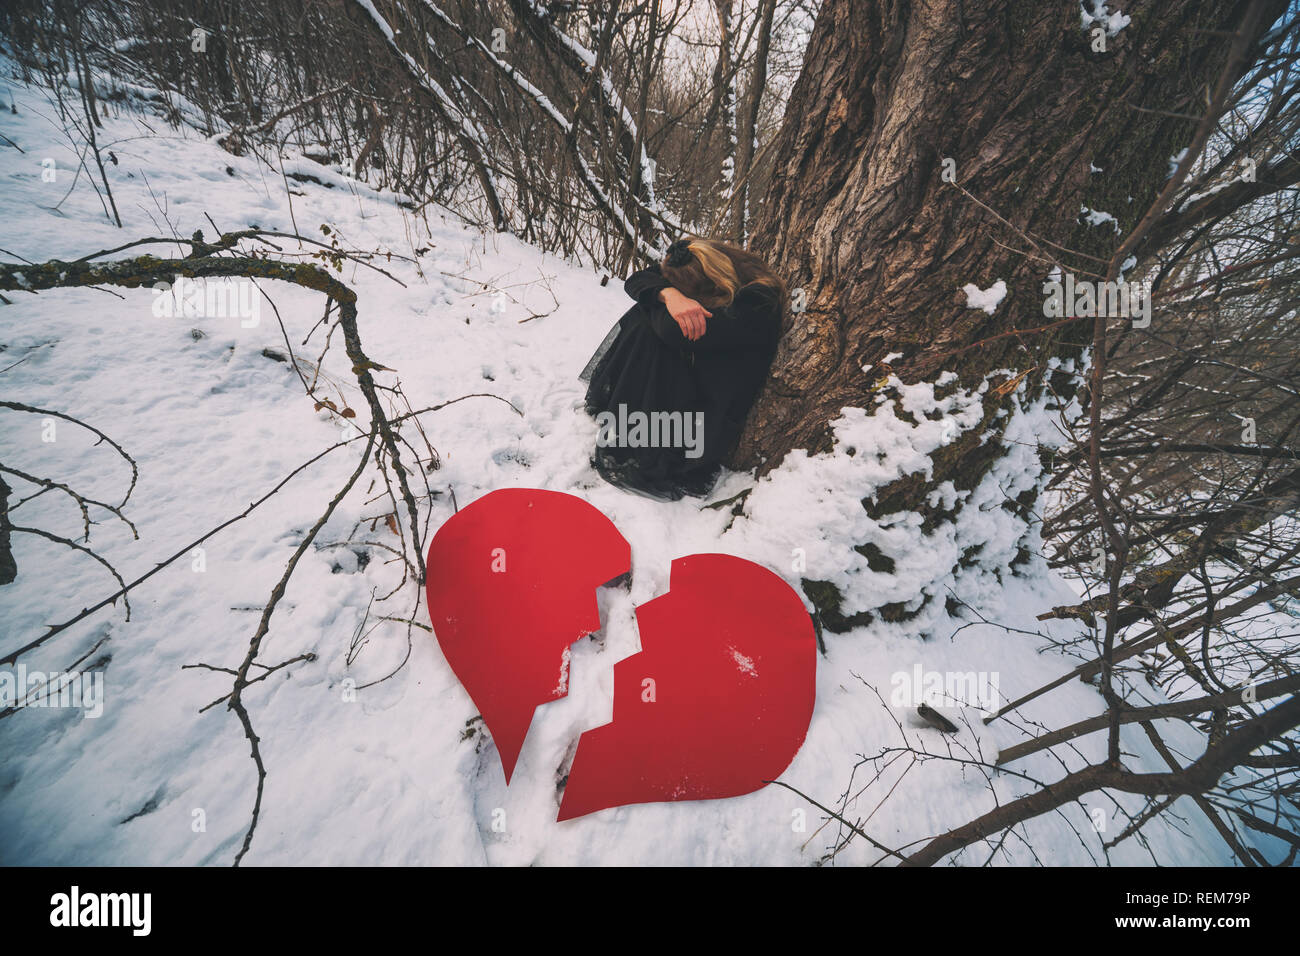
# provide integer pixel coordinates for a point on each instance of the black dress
(646, 365)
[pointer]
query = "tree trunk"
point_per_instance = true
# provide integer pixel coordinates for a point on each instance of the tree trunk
(1038, 123)
(8, 567)
(748, 146)
(727, 70)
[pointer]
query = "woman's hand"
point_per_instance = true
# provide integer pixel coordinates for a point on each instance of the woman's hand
(686, 312)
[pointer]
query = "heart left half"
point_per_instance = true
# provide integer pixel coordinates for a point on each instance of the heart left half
(512, 583)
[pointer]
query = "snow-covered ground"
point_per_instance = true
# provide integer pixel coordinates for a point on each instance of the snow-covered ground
(392, 776)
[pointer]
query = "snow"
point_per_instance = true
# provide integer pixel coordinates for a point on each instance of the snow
(744, 664)
(987, 299)
(1175, 161)
(1095, 217)
(374, 755)
(1245, 175)
(1112, 22)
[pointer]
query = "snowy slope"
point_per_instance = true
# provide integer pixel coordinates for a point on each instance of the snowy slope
(392, 777)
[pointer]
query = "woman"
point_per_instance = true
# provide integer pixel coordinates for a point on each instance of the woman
(672, 383)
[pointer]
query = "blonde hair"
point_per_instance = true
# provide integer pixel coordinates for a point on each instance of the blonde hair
(712, 272)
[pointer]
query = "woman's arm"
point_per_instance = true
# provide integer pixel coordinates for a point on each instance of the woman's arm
(644, 285)
(752, 321)
(689, 315)
(651, 289)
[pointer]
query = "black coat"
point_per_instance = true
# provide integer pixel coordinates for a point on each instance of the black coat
(648, 365)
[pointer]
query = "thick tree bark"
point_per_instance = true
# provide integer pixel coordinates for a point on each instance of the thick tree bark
(858, 215)
(1038, 122)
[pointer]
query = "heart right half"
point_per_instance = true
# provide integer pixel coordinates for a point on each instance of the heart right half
(717, 702)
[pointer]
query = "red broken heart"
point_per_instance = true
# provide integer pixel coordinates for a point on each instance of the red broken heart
(717, 701)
